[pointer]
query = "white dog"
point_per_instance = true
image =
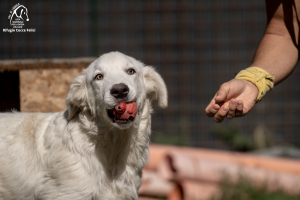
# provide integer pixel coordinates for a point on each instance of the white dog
(84, 152)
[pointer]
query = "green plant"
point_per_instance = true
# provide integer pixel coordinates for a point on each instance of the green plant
(178, 135)
(167, 139)
(235, 139)
(244, 190)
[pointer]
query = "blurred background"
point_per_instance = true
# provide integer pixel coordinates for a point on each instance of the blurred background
(196, 45)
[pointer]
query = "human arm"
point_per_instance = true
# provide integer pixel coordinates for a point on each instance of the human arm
(277, 54)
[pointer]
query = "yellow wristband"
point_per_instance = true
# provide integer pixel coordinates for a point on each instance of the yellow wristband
(259, 77)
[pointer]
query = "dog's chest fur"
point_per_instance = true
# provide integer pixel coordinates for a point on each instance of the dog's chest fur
(103, 165)
(107, 165)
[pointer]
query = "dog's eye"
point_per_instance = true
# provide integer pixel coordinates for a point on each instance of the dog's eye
(131, 71)
(99, 77)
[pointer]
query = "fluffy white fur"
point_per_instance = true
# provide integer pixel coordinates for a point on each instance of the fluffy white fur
(81, 153)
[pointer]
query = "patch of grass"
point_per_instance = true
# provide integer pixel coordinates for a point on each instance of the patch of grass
(167, 139)
(178, 136)
(244, 190)
(236, 140)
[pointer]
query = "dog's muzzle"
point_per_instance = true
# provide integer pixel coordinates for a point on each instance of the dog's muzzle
(123, 112)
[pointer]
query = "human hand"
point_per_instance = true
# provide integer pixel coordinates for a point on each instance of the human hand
(234, 99)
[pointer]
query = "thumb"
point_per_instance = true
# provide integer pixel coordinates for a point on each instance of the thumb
(222, 93)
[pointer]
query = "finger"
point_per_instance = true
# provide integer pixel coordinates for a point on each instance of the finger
(239, 108)
(223, 92)
(220, 115)
(232, 109)
(212, 110)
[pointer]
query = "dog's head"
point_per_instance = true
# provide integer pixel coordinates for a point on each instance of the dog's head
(110, 80)
(22, 13)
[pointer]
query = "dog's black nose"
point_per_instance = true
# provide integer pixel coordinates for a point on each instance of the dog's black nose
(119, 91)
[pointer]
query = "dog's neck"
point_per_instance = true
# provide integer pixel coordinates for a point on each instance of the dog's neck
(113, 149)
(116, 148)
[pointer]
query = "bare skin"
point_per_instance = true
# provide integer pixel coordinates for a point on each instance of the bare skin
(277, 53)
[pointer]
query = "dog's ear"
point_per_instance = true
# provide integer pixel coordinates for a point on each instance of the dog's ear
(77, 96)
(155, 87)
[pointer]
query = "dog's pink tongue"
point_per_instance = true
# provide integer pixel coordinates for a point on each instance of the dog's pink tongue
(125, 110)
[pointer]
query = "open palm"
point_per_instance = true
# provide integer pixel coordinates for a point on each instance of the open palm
(234, 99)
